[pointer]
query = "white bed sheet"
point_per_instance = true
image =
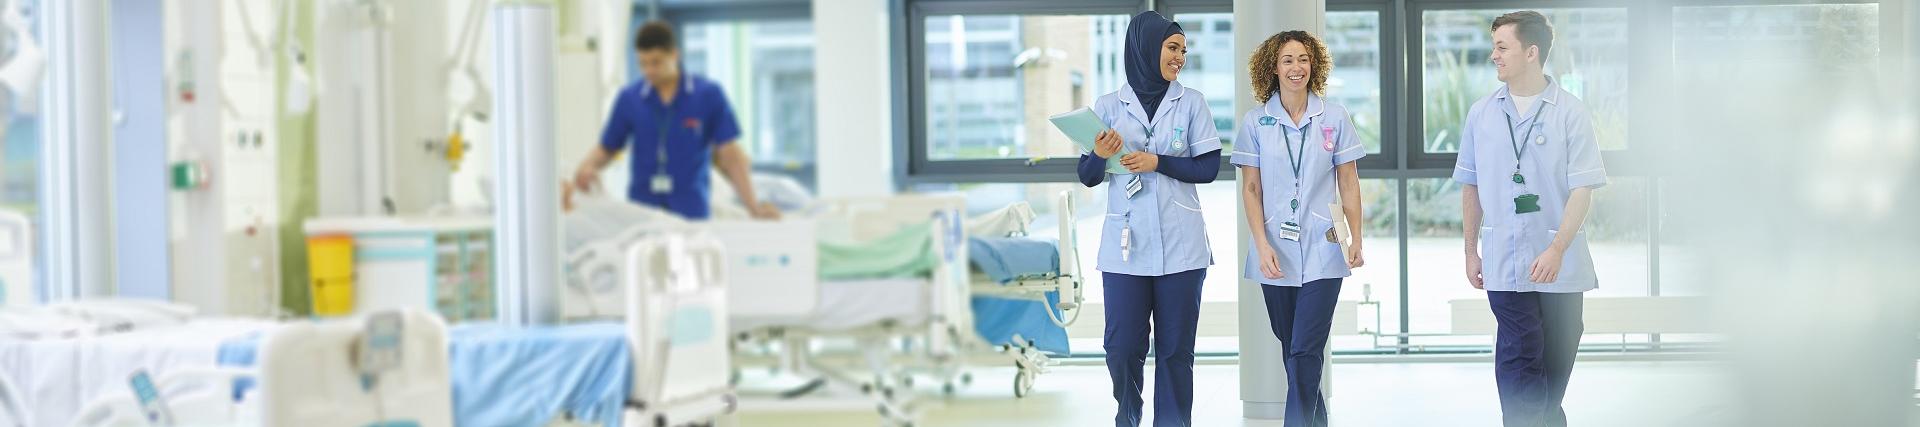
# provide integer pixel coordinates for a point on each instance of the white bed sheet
(849, 304)
(56, 377)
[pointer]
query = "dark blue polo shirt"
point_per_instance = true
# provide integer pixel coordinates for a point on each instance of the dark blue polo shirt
(697, 122)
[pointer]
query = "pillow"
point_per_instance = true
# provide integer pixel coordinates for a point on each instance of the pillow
(1007, 221)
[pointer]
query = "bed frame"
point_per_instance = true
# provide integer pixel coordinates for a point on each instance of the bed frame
(1028, 359)
(677, 329)
(888, 349)
(307, 376)
(887, 356)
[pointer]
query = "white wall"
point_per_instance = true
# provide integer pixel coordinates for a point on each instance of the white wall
(854, 106)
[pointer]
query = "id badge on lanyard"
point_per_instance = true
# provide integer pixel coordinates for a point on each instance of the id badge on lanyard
(662, 183)
(1526, 202)
(1290, 231)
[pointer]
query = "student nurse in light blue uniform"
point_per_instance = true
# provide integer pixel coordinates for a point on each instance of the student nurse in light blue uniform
(1153, 247)
(1528, 165)
(1296, 154)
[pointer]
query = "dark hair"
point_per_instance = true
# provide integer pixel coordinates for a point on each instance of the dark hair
(655, 35)
(1531, 28)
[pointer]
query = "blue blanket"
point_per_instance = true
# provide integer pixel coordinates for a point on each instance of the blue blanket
(998, 320)
(510, 376)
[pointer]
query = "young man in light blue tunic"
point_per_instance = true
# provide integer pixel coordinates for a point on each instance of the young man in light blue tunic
(1528, 164)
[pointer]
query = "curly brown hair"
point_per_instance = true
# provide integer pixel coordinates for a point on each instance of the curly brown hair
(1266, 59)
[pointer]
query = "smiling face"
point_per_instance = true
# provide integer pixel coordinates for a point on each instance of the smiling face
(1294, 67)
(1173, 56)
(1510, 57)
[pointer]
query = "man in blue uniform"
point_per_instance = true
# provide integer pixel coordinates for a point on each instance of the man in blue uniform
(678, 125)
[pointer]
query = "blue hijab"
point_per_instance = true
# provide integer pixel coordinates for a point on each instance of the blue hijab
(1144, 35)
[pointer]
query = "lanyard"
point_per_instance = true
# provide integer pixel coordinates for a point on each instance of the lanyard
(1295, 160)
(664, 123)
(1520, 144)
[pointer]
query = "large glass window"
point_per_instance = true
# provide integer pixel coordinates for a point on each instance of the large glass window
(1211, 67)
(1436, 259)
(1617, 233)
(1376, 285)
(1712, 42)
(766, 68)
(1588, 58)
(989, 81)
(20, 148)
(1353, 39)
(992, 80)
(1731, 56)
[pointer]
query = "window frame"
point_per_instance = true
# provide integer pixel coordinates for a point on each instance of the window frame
(689, 12)
(1418, 158)
(1401, 46)
(912, 162)
(1391, 91)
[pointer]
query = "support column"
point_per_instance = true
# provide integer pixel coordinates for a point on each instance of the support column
(1263, 389)
(853, 134)
(75, 171)
(526, 196)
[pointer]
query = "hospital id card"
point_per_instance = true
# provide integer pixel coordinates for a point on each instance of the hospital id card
(661, 184)
(1526, 203)
(1290, 231)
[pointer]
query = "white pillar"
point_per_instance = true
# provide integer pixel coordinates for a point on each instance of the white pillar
(75, 171)
(853, 129)
(526, 193)
(1263, 389)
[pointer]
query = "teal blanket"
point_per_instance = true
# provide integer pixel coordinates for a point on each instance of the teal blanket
(905, 253)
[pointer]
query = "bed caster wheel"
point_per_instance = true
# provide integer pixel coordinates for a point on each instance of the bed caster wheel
(949, 389)
(660, 421)
(907, 381)
(866, 388)
(966, 379)
(887, 392)
(1022, 383)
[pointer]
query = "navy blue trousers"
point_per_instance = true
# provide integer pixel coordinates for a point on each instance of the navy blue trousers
(1533, 354)
(1301, 318)
(1168, 307)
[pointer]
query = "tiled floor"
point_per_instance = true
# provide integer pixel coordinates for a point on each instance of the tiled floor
(1604, 393)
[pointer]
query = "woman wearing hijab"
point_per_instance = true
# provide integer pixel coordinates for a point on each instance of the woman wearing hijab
(1153, 250)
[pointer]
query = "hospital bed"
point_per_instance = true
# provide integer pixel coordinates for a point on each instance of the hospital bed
(887, 275)
(58, 357)
(664, 364)
(387, 368)
(1016, 275)
(997, 295)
